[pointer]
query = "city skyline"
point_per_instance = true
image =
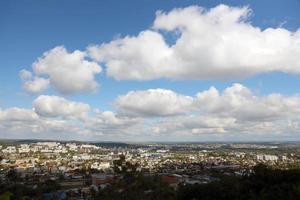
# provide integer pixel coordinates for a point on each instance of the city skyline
(171, 71)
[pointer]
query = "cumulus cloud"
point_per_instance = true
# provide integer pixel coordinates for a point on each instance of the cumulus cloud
(236, 111)
(36, 85)
(235, 101)
(47, 122)
(110, 123)
(241, 103)
(54, 106)
(26, 124)
(54, 117)
(33, 84)
(25, 74)
(223, 128)
(18, 123)
(218, 43)
(188, 125)
(67, 72)
(153, 102)
(141, 58)
(114, 120)
(17, 114)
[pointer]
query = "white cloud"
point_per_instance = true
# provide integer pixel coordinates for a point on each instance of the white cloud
(17, 114)
(51, 123)
(108, 122)
(223, 128)
(193, 124)
(33, 84)
(25, 74)
(113, 120)
(153, 102)
(36, 85)
(54, 106)
(142, 58)
(19, 123)
(219, 43)
(241, 103)
(69, 73)
(235, 112)
(57, 118)
(236, 101)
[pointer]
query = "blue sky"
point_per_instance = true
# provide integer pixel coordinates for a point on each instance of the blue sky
(30, 28)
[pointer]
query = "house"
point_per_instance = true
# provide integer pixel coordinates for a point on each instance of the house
(102, 179)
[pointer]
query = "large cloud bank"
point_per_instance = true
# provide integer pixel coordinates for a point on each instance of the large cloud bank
(219, 43)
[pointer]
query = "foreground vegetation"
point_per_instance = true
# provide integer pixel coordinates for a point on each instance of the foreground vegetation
(263, 183)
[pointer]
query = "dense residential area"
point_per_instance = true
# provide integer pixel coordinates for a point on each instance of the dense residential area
(77, 170)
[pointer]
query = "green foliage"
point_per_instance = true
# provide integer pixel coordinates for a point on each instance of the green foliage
(12, 175)
(264, 183)
(146, 188)
(23, 192)
(5, 196)
(133, 185)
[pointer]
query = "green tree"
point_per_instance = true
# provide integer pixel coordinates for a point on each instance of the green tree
(5, 196)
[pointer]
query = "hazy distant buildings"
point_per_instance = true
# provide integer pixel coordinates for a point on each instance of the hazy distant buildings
(10, 149)
(267, 157)
(24, 148)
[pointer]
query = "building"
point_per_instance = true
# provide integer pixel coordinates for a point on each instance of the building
(100, 166)
(10, 149)
(24, 148)
(102, 179)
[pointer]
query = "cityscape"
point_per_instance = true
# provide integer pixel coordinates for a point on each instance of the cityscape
(149, 100)
(80, 170)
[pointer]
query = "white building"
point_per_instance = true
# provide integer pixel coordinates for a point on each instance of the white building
(267, 157)
(47, 150)
(10, 149)
(88, 146)
(259, 157)
(72, 146)
(60, 150)
(271, 158)
(24, 148)
(100, 166)
(283, 158)
(48, 144)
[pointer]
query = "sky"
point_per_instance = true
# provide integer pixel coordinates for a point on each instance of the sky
(143, 70)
